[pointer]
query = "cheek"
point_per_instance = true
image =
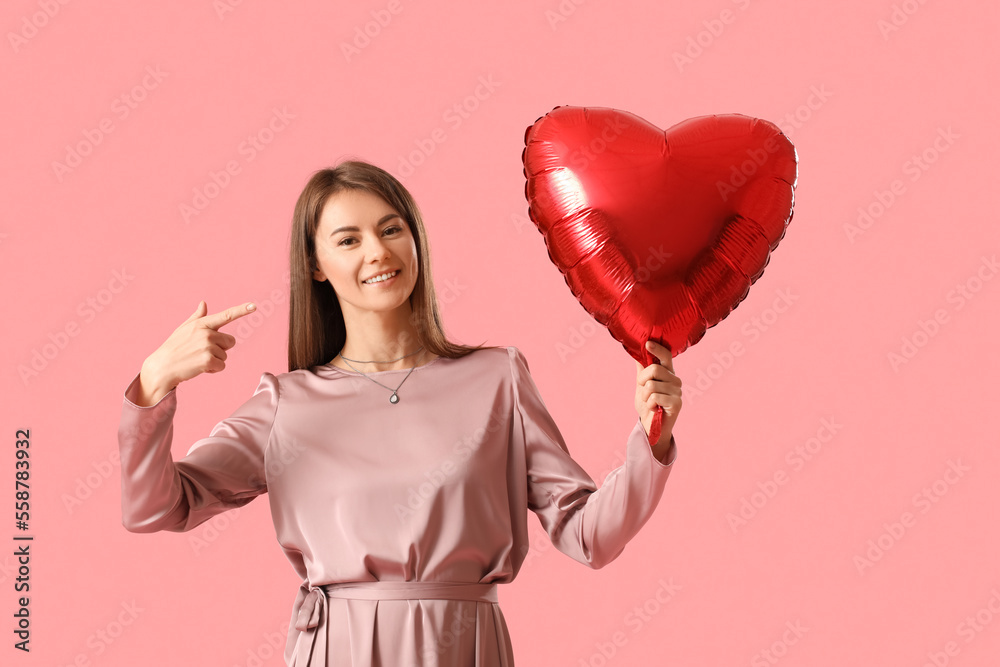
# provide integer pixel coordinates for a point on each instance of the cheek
(343, 273)
(411, 250)
(336, 269)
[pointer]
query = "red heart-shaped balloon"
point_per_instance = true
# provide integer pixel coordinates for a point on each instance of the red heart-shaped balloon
(659, 235)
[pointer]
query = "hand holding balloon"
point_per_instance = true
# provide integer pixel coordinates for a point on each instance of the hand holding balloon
(657, 387)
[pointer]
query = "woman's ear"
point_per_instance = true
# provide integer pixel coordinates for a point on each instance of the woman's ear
(314, 270)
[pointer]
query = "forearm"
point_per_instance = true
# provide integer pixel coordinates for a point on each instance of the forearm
(152, 386)
(152, 495)
(662, 448)
(624, 502)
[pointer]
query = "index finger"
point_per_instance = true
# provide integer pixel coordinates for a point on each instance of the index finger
(216, 320)
(663, 353)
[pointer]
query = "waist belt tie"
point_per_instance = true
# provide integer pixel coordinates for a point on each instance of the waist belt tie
(313, 613)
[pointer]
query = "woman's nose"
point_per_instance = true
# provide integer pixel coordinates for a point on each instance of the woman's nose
(378, 250)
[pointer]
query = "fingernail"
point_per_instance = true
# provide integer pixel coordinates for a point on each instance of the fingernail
(250, 306)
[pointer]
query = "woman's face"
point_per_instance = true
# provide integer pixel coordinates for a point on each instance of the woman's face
(361, 236)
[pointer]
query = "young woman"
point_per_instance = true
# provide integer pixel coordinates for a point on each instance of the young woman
(399, 465)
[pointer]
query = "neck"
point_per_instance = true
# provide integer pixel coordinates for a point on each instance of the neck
(367, 366)
(382, 337)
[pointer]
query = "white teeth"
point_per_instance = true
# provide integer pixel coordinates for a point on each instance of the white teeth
(381, 278)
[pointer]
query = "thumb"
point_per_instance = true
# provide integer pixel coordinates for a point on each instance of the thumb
(199, 311)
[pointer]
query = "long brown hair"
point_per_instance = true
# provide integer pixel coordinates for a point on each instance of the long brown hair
(316, 330)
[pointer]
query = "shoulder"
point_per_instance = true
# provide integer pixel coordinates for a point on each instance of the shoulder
(301, 378)
(514, 362)
(284, 384)
(501, 359)
(302, 385)
(504, 355)
(515, 354)
(268, 391)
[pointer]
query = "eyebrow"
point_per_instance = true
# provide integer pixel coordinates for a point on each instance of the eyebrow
(385, 219)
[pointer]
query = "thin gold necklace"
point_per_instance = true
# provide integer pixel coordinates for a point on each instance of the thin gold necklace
(395, 397)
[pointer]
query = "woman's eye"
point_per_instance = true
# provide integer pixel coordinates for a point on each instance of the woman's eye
(395, 229)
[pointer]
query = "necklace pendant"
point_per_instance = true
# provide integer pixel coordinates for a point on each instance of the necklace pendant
(394, 398)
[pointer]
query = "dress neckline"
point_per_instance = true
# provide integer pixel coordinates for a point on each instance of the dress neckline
(398, 370)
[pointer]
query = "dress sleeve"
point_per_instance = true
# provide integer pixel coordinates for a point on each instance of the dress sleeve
(220, 472)
(588, 524)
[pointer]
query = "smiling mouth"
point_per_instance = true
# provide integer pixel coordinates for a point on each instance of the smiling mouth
(378, 280)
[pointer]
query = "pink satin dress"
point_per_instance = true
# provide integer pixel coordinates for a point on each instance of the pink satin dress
(401, 519)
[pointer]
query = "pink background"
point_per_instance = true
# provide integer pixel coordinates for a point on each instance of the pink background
(100, 265)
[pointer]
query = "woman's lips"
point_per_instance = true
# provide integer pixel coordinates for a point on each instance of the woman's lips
(382, 282)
